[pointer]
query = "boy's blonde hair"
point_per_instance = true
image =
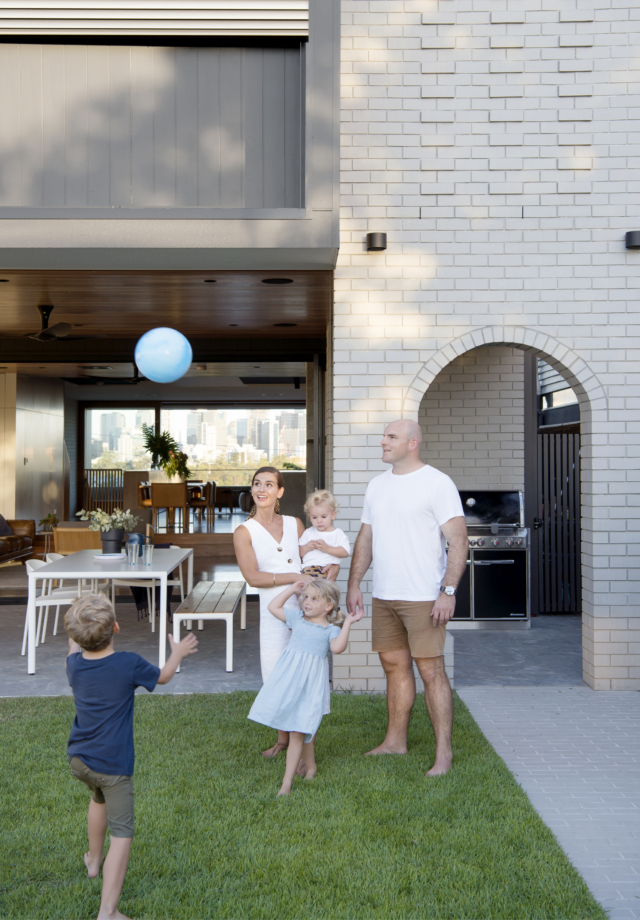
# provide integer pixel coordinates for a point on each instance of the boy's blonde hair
(321, 497)
(90, 621)
(330, 593)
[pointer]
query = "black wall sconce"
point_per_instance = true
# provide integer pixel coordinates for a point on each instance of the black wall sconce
(632, 239)
(376, 242)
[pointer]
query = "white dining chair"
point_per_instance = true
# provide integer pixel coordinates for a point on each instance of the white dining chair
(50, 597)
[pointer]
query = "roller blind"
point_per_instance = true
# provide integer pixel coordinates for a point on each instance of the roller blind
(267, 18)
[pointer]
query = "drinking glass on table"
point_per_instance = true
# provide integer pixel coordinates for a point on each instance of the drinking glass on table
(132, 553)
(147, 554)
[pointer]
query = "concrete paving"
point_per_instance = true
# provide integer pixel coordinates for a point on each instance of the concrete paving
(203, 672)
(576, 753)
(548, 654)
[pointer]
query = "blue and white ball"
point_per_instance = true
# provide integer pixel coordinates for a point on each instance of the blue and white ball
(163, 355)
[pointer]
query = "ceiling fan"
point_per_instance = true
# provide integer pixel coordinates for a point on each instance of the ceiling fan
(59, 331)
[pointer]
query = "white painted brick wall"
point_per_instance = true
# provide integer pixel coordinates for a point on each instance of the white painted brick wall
(472, 419)
(505, 201)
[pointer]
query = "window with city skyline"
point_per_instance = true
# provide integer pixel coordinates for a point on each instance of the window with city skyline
(214, 439)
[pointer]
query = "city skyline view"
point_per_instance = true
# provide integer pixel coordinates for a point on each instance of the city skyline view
(209, 436)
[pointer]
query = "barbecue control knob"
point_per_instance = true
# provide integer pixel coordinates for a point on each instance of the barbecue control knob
(480, 542)
(509, 542)
(472, 542)
(518, 542)
(496, 542)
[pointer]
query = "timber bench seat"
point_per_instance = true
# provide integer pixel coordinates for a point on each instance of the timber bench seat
(214, 600)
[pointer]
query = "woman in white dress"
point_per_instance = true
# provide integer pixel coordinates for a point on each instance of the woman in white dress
(267, 551)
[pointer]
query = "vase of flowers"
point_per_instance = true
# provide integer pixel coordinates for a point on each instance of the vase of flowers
(112, 526)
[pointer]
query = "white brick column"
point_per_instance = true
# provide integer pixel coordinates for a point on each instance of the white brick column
(497, 151)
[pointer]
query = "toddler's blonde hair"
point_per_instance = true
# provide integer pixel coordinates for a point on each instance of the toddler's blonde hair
(90, 621)
(328, 591)
(321, 497)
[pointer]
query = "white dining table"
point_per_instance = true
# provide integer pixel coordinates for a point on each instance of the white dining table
(84, 565)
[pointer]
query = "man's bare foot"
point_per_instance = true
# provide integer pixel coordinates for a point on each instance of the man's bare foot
(285, 789)
(275, 750)
(302, 768)
(116, 916)
(93, 866)
(311, 773)
(440, 767)
(386, 748)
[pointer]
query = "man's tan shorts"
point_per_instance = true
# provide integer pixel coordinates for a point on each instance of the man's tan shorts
(407, 624)
(116, 792)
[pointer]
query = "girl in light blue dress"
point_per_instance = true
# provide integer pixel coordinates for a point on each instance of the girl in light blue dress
(293, 696)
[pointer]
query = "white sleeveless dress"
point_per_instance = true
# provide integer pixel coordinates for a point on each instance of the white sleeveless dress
(272, 556)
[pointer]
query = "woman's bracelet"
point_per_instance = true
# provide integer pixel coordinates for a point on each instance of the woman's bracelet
(274, 579)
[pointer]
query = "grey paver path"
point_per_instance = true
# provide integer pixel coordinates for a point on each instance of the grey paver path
(576, 753)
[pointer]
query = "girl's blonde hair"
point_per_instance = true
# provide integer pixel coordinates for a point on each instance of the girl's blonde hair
(321, 497)
(328, 591)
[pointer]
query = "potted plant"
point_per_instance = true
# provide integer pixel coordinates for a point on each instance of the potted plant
(177, 465)
(48, 523)
(165, 453)
(159, 446)
(111, 526)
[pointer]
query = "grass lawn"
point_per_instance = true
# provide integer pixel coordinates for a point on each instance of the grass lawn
(367, 838)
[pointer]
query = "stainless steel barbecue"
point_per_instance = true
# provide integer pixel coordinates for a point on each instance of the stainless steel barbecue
(495, 590)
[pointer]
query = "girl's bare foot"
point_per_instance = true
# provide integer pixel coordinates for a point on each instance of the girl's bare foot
(93, 866)
(302, 768)
(116, 916)
(285, 789)
(275, 750)
(311, 772)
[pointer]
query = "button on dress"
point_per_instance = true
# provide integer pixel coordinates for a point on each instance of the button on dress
(293, 696)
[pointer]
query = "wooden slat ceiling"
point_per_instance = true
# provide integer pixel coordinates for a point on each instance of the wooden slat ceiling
(128, 304)
(211, 374)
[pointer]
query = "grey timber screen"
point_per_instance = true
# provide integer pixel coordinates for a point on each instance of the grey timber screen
(97, 126)
(269, 18)
(558, 523)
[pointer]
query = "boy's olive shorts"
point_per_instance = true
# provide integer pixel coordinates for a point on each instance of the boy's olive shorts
(116, 792)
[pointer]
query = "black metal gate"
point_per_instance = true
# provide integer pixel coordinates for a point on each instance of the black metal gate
(557, 524)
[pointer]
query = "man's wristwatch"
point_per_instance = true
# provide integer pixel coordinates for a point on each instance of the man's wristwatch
(448, 590)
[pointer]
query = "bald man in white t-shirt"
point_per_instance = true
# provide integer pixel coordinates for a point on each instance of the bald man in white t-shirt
(409, 514)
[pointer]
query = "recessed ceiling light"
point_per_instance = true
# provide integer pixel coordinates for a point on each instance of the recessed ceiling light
(210, 280)
(277, 280)
(201, 367)
(283, 325)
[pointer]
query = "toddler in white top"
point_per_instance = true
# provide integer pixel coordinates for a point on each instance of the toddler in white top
(322, 544)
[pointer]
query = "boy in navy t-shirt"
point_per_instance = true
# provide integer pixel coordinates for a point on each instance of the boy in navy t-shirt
(101, 743)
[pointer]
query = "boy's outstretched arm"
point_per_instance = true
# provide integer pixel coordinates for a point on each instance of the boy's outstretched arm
(339, 644)
(179, 650)
(276, 607)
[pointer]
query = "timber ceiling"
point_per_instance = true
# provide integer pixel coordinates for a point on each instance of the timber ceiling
(121, 305)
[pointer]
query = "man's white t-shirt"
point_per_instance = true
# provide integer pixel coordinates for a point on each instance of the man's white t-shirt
(406, 514)
(333, 538)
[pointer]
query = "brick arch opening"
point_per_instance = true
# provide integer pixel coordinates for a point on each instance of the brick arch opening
(593, 416)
